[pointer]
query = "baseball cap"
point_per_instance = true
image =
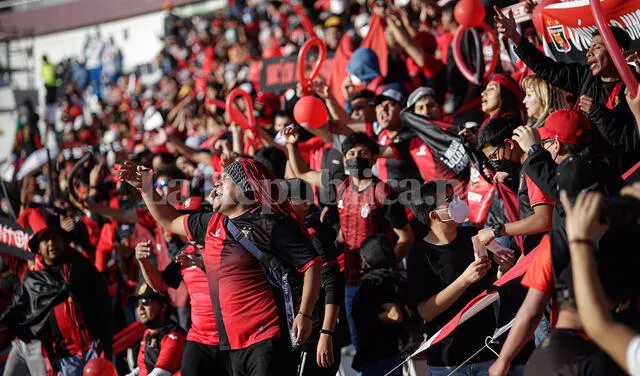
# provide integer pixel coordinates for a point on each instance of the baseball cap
(566, 126)
(333, 21)
(394, 92)
(418, 94)
(34, 242)
(146, 292)
(362, 94)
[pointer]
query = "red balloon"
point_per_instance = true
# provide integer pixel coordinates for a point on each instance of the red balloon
(469, 13)
(99, 367)
(537, 15)
(310, 112)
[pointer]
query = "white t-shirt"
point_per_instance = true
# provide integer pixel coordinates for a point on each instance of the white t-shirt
(633, 356)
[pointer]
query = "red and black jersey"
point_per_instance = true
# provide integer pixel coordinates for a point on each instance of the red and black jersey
(244, 302)
(203, 323)
(363, 213)
(529, 195)
(161, 348)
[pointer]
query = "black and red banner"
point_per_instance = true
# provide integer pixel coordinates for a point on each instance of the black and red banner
(280, 73)
(568, 26)
(14, 240)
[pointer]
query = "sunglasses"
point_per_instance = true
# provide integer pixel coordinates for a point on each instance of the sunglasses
(144, 301)
(161, 183)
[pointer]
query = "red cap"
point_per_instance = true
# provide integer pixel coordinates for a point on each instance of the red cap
(566, 126)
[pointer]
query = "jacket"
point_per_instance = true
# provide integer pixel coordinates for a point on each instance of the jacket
(45, 289)
(617, 126)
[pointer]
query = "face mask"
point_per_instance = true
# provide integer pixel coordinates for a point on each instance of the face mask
(358, 167)
(458, 211)
(505, 165)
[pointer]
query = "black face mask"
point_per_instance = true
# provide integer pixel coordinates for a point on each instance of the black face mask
(510, 167)
(358, 167)
(504, 165)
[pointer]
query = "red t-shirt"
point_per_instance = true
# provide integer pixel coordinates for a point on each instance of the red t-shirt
(536, 196)
(539, 275)
(203, 323)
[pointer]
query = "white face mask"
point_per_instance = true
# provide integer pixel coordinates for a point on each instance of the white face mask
(458, 211)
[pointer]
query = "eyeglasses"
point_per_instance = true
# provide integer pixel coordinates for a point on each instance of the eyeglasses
(494, 154)
(161, 183)
(144, 301)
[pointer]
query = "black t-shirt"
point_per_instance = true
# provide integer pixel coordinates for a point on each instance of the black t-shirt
(567, 352)
(376, 339)
(431, 268)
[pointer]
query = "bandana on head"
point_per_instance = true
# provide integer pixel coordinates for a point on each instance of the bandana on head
(256, 178)
(509, 84)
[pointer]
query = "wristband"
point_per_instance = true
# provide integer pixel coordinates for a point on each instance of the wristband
(582, 241)
(535, 148)
(497, 229)
(305, 315)
(326, 331)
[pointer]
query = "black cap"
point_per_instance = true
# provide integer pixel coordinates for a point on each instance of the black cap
(34, 242)
(588, 172)
(146, 292)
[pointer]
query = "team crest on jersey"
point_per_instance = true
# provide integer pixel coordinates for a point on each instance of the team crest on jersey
(186, 203)
(340, 204)
(559, 38)
(215, 234)
(422, 151)
(245, 231)
(365, 210)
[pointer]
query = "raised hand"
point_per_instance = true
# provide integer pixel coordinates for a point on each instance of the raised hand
(526, 136)
(143, 250)
(507, 26)
(291, 135)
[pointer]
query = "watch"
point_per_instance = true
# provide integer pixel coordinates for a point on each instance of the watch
(535, 148)
(497, 229)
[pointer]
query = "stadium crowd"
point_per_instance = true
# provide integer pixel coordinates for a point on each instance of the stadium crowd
(378, 206)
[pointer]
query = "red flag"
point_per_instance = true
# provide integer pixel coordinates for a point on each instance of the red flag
(340, 62)
(376, 40)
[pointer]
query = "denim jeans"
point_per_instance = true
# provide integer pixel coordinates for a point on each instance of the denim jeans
(73, 365)
(469, 369)
(25, 358)
(349, 294)
(542, 331)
